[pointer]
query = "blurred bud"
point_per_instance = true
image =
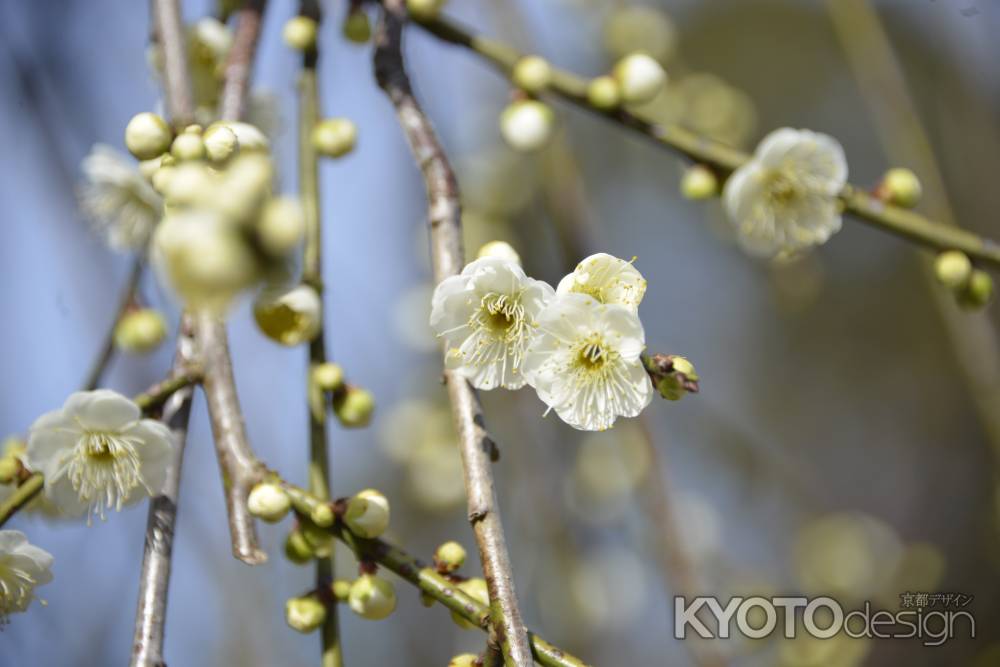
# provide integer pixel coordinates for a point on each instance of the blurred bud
(319, 539)
(188, 146)
(341, 589)
(140, 331)
(604, 93)
(9, 468)
(305, 614)
(14, 447)
(268, 502)
(978, 292)
(901, 187)
(367, 513)
(464, 660)
(300, 33)
(640, 28)
(290, 317)
(149, 167)
(281, 226)
(355, 407)
(449, 556)
(248, 137)
(476, 589)
(328, 376)
(147, 135)
(220, 143)
(334, 137)
(699, 182)
(162, 177)
(372, 597)
(357, 28)
(297, 549)
(532, 74)
(672, 375)
(500, 250)
(526, 125)
(952, 268)
(424, 9)
(189, 184)
(322, 515)
(245, 186)
(640, 77)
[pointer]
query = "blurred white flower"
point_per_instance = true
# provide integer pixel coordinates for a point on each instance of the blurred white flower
(96, 453)
(785, 197)
(23, 567)
(121, 203)
(585, 363)
(488, 317)
(607, 279)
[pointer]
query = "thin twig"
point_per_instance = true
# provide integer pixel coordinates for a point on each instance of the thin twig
(107, 349)
(724, 159)
(23, 494)
(446, 240)
(239, 65)
(185, 373)
(169, 31)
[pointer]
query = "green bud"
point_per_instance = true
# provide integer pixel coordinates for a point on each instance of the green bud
(300, 33)
(978, 292)
(334, 137)
(604, 93)
(527, 125)
(424, 10)
(356, 27)
(699, 182)
(952, 268)
(476, 589)
(14, 447)
(305, 614)
(289, 316)
(297, 548)
(449, 556)
(281, 226)
(328, 376)
(372, 597)
(220, 143)
(640, 77)
(532, 74)
(354, 407)
(367, 513)
(318, 538)
(9, 468)
(464, 660)
(902, 187)
(188, 146)
(140, 331)
(268, 502)
(147, 135)
(341, 589)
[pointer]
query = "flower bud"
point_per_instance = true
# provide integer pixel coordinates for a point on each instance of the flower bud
(341, 589)
(188, 146)
(367, 513)
(318, 538)
(190, 184)
(681, 380)
(249, 137)
(464, 660)
(9, 468)
(356, 27)
(162, 177)
(424, 10)
(149, 167)
(328, 376)
(290, 317)
(978, 292)
(372, 597)
(699, 182)
(355, 407)
(305, 614)
(245, 187)
(952, 268)
(526, 125)
(604, 93)
(297, 548)
(449, 556)
(140, 331)
(220, 143)
(901, 187)
(641, 78)
(300, 33)
(334, 137)
(281, 226)
(476, 589)
(147, 135)
(532, 74)
(268, 502)
(500, 250)
(14, 447)
(322, 515)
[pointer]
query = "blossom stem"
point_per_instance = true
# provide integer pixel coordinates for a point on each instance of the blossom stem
(183, 376)
(312, 274)
(169, 32)
(239, 65)
(107, 350)
(475, 445)
(724, 159)
(22, 495)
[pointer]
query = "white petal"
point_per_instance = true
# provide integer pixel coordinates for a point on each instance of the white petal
(64, 497)
(102, 410)
(11, 540)
(51, 436)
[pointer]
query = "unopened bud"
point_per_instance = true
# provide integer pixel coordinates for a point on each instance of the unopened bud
(355, 407)
(268, 502)
(952, 268)
(526, 125)
(334, 137)
(281, 226)
(140, 331)
(318, 538)
(14, 447)
(220, 143)
(424, 10)
(9, 468)
(367, 513)
(322, 515)
(328, 376)
(305, 614)
(476, 589)
(297, 549)
(699, 182)
(449, 556)
(902, 187)
(464, 660)
(532, 74)
(147, 135)
(640, 77)
(249, 137)
(188, 146)
(356, 27)
(300, 33)
(372, 597)
(341, 589)
(604, 93)
(500, 250)
(290, 317)
(978, 292)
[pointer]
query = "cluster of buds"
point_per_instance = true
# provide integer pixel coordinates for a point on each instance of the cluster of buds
(353, 405)
(635, 80)
(672, 375)
(972, 287)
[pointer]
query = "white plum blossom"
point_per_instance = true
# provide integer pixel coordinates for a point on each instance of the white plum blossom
(96, 453)
(23, 567)
(487, 316)
(785, 198)
(606, 278)
(114, 195)
(585, 362)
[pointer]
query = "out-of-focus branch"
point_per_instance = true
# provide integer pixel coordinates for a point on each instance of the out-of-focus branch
(724, 159)
(239, 66)
(476, 447)
(107, 350)
(23, 494)
(169, 32)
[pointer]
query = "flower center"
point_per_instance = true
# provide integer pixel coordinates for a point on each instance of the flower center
(104, 468)
(15, 589)
(782, 188)
(593, 354)
(501, 314)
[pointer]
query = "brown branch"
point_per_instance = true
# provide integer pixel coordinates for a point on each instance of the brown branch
(476, 447)
(239, 66)
(169, 33)
(107, 350)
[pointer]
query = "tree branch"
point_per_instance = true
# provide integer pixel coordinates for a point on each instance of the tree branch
(239, 66)
(475, 444)
(724, 159)
(23, 494)
(107, 350)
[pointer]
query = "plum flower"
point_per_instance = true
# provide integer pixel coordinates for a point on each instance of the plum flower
(585, 362)
(606, 278)
(487, 316)
(121, 203)
(96, 453)
(785, 198)
(23, 567)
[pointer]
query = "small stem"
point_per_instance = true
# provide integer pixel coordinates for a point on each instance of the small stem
(169, 33)
(158, 394)
(107, 350)
(239, 66)
(22, 495)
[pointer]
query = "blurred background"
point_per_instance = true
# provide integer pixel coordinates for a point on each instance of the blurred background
(846, 437)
